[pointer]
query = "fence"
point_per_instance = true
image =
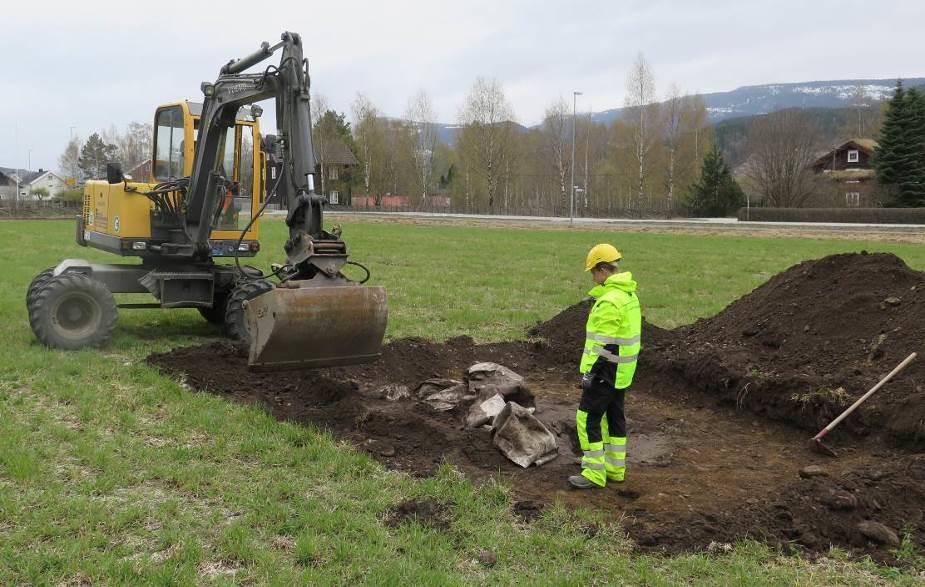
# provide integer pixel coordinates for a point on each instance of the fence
(837, 215)
(538, 211)
(27, 208)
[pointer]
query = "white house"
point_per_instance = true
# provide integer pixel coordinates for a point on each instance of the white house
(29, 181)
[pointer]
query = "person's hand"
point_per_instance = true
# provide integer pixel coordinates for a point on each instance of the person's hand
(586, 381)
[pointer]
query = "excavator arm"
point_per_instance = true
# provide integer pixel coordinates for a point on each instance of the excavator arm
(309, 249)
(315, 317)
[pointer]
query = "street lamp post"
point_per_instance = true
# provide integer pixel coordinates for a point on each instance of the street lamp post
(571, 206)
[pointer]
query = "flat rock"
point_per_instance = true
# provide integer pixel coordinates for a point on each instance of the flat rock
(877, 532)
(840, 500)
(383, 449)
(812, 471)
(488, 558)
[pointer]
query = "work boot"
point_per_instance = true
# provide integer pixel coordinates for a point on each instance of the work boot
(579, 482)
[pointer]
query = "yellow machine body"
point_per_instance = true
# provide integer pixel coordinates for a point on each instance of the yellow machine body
(118, 217)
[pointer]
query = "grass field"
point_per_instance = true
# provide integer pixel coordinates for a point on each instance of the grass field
(113, 473)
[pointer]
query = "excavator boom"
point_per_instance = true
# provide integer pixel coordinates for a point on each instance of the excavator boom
(315, 317)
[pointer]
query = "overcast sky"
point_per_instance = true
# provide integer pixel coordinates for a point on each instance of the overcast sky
(79, 67)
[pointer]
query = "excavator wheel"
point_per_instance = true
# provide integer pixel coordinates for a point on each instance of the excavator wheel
(235, 321)
(73, 311)
(216, 314)
(36, 286)
(38, 282)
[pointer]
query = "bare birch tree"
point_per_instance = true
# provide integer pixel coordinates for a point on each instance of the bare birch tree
(366, 133)
(420, 116)
(673, 109)
(319, 106)
(781, 148)
(69, 161)
(641, 116)
(556, 134)
(486, 135)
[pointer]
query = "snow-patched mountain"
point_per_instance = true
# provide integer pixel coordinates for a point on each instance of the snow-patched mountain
(752, 100)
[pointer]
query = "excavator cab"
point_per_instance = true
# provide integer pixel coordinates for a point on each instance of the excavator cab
(241, 165)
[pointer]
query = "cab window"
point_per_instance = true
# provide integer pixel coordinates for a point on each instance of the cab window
(237, 167)
(168, 144)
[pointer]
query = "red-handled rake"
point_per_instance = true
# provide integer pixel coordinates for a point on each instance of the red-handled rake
(816, 443)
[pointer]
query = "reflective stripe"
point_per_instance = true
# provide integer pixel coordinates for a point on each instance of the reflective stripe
(610, 356)
(611, 340)
(615, 462)
(594, 453)
(588, 465)
(615, 447)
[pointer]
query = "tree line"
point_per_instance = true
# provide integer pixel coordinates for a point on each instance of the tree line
(661, 157)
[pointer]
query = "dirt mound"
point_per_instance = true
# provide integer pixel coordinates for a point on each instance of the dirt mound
(806, 344)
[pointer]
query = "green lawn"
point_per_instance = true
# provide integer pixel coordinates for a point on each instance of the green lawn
(112, 473)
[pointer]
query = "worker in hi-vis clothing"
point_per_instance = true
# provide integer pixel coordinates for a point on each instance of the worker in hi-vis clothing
(607, 368)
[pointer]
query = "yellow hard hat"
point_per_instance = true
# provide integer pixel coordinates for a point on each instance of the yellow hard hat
(602, 253)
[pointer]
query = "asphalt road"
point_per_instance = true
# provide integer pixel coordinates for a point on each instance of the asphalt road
(682, 223)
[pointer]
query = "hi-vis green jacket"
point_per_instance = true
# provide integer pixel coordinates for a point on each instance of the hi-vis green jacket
(613, 331)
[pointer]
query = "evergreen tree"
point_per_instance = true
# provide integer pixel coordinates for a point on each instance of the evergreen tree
(887, 157)
(912, 184)
(899, 160)
(94, 156)
(716, 193)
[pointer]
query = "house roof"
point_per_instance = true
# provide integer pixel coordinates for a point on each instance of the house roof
(866, 145)
(39, 175)
(335, 152)
(25, 176)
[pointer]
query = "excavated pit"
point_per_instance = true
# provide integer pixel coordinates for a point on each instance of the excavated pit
(719, 415)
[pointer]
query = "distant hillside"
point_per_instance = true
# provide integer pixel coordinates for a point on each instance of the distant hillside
(446, 133)
(743, 103)
(752, 100)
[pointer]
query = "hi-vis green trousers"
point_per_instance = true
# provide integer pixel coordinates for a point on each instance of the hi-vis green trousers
(602, 432)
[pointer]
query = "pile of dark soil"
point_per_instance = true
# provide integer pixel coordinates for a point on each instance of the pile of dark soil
(803, 346)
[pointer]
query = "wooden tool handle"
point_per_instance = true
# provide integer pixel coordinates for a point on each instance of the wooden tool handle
(861, 399)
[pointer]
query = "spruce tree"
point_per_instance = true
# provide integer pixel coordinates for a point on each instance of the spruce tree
(94, 156)
(899, 160)
(716, 193)
(912, 183)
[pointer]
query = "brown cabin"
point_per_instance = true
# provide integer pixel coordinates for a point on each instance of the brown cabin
(337, 159)
(849, 177)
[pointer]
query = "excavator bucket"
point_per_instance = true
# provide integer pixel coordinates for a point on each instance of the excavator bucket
(297, 326)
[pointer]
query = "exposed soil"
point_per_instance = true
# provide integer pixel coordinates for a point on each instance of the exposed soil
(719, 415)
(427, 512)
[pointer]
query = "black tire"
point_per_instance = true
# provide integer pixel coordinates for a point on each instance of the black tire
(73, 311)
(38, 282)
(216, 314)
(235, 324)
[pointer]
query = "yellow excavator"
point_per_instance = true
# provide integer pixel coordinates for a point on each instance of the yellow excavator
(212, 176)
